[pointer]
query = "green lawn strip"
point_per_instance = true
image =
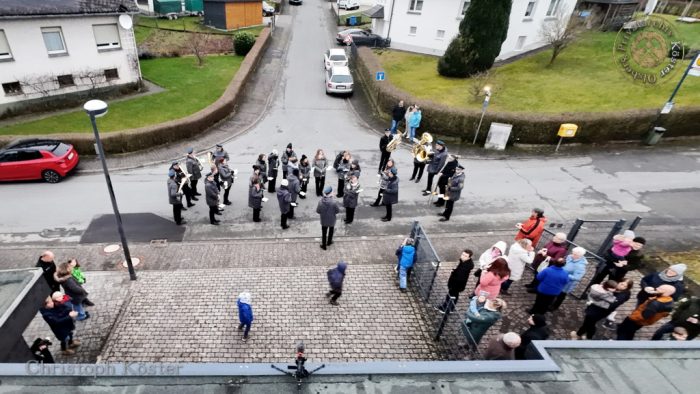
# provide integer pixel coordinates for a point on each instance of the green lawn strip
(583, 78)
(142, 33)
(189, 24)
(189, 89)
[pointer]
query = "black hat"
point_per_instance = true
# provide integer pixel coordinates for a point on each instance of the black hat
(256, 167)
(289, 145)
(175, 164)
(539, 320)
(295, 171)
(439, 142)
(640, 240)
(303, 157)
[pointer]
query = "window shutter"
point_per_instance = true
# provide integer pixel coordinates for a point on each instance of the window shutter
(4, 45)
(106, 35)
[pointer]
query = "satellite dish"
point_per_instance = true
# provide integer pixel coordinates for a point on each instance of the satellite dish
(125, 22)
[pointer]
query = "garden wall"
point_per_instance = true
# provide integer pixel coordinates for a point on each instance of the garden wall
(530, 128)
(163, 133)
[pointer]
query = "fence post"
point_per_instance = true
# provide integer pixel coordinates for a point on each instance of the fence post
(448, 310)
(635, 223)
(574, 230)
(432, 281)
(615, 230)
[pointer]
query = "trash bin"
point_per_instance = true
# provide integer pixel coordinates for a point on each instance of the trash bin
(654, 135)
(352, 21)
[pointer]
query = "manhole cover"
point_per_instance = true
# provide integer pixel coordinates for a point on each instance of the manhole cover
(135, 261)
(111, 248)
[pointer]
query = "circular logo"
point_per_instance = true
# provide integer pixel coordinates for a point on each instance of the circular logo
(648, 50)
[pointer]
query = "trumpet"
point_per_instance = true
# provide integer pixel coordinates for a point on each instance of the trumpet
(394, 143)
(421, 150)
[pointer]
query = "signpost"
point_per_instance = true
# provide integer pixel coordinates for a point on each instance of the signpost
(566, 130)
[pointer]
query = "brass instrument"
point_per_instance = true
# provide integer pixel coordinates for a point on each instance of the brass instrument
(183, 168)
(422, 149)
(394, 143)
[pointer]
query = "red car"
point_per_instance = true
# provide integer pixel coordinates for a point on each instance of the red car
(50, 160)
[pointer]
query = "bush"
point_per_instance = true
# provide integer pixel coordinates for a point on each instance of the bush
(146, 55)
(243, 41)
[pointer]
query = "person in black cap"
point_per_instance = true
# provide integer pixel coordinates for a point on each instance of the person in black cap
(273, 163)
(186, 190)
(194, 167)
(175, 197)
(212, 194)
(219, 152)
(391, 194)
(454, 191)
(383, 142)
(226, 177)
(437, 161)
(444, 177)
(286, 155)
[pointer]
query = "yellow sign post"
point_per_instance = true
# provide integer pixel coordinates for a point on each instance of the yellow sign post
(566, 130)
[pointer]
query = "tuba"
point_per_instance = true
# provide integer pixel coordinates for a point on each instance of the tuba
(422, 149)
(394, 143)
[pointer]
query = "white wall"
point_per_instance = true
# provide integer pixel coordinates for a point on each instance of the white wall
(445, 15)
(31, 60)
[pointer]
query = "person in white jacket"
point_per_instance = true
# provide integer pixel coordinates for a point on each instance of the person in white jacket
(519, 254)
(497, 250)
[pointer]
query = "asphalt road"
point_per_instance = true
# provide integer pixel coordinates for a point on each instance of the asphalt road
(660, 184)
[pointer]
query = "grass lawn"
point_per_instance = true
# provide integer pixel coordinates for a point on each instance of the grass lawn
(583, 78)
(189, 89)
(690, 258)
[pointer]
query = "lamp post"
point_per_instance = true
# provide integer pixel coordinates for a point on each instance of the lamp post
(95, 109)
(487, 98)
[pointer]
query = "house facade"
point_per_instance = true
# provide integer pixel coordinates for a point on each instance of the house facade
(428, 26)
(63, 47)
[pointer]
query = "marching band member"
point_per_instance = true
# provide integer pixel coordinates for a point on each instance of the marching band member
(439, 156)
(225, 177)
(186, 190)
(194, 167)
(212, 196)
(454, 191)
(383, 182)
(175, 197)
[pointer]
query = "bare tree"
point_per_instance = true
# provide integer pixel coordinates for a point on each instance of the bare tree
(477, 83)
(198, 45)
(559, 31)
(42, 85)
(92, 78)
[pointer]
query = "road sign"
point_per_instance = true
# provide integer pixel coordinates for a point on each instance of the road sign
(380, 76)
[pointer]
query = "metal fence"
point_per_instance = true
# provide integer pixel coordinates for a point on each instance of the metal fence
(427, 263)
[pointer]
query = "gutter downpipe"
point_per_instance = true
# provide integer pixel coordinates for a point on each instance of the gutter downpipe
(391, 19)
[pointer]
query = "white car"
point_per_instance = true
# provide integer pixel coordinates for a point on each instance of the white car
(267, 10)
(334, 57)
(339, 80)
(348, 4)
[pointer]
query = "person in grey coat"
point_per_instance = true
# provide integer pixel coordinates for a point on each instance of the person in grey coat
(391, 194)
(304, 173)
(273, 163)
(294, 186)
(284, 198)
(352, 193)
(211, 190)
(175, 198)
(342, 171)
(286, 155)
(327, 209)
(226, 177)
(454, 192)
(255, 197)
(320, 164)
(437, 161)
(262, 163)
(194, 167)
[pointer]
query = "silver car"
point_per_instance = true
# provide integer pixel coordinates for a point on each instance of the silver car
(339, 80)
(334, 57)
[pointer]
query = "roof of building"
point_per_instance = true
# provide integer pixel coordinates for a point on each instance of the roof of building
(375, 12)
(16, 8)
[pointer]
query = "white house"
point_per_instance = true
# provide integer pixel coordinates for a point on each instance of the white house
(62, 47)
(428, 26)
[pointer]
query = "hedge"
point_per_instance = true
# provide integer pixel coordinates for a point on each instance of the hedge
(530, 128)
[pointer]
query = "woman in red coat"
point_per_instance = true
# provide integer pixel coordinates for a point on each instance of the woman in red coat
(532, 228)
(491, 280)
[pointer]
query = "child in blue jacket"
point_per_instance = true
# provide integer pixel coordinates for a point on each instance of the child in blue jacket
(407, 257)
(245, 314)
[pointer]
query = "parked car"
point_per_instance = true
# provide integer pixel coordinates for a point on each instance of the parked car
(343, 34)
(348, 4)
(267, 10)
(334, 57)
(364, 38)
(298, 2)
(29, 159)
(339, 80)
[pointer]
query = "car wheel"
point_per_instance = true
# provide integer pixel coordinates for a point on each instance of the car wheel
(51, 176)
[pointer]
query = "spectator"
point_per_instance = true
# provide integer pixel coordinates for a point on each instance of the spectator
(503, 347)
(47, 265)
(685, 315)
(336, 276)
(537, 331)
(616, 256)
(655, 308)
(40, 349)
(496, 274)
(497, 250)
(672, 275)
(532, 228)
(575, 267)
(391, 194)
(554, 250)
(284, 198)
(245, 314)
(407, 257)
(632, 262)
(600, 297)
(678, 334)
(60, 298)
(255, 199)
(458, 279)
(520, 253)
(60, 317)
(623, 292)
(552, 281)
(77, 273)
(397, 115)
(477, 324)
(72, 289)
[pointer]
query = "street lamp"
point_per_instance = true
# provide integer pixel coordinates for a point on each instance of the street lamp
(487, 98)
(95, 109)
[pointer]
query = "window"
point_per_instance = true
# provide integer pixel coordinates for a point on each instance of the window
(65, 81)
(26, 155)
(53, 38)
(530, 9)
(111, 73)
(521, 43)
(12, 88)
(553, 7)
(106, 36)
(9, 157)
(412, 31)
(465, 7)
(5, 52)
(415, 5)
(440, 34)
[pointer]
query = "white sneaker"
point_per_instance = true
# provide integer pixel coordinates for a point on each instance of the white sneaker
(264, 199)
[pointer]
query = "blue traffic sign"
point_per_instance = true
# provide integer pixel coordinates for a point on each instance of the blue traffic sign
(380, 75)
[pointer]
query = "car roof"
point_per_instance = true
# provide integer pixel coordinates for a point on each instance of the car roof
(348, 31)
(340, 70)
(337, 51)
(32, 143)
